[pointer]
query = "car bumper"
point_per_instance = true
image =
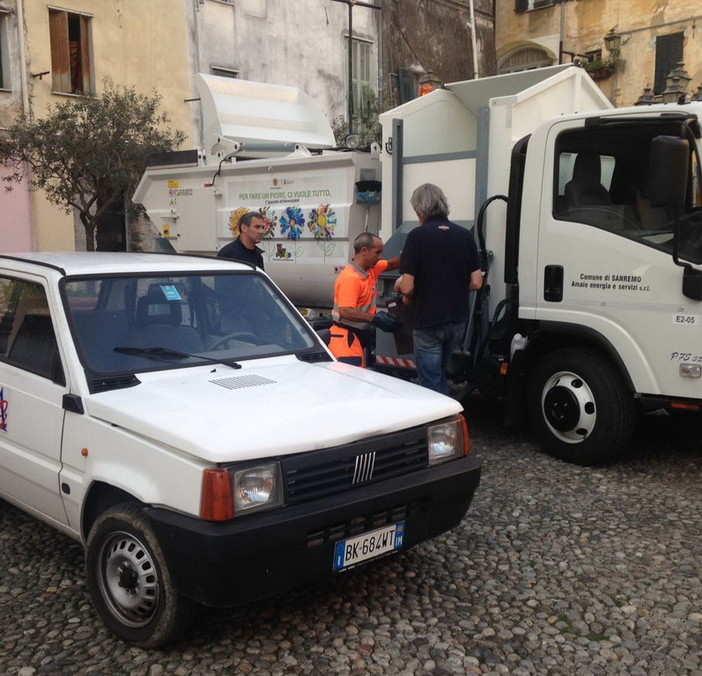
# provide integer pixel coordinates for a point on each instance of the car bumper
(264, 554)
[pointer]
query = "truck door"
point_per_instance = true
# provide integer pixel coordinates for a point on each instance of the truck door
(32, 385)
(604, 252)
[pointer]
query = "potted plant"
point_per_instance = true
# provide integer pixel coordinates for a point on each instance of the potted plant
(599, 68)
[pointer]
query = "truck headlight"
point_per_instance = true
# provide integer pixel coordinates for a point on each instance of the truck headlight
(257, 488)
(448, 440)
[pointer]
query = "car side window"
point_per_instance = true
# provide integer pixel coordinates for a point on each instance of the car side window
(27, 338)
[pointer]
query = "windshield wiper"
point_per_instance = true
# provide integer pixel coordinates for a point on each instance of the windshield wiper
(166, 354)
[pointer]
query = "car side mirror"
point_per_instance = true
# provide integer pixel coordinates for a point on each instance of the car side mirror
(668, 171)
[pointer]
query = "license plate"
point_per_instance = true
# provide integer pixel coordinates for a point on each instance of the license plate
(348, 553)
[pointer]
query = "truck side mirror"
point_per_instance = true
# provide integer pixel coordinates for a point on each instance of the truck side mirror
(692, 283)
(668, 171)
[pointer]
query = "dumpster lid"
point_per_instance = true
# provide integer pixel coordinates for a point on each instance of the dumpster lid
(247, 111)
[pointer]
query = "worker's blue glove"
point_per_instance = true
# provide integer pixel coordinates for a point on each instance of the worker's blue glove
(386, 322)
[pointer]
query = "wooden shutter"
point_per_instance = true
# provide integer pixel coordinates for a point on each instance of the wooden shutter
(85, 54)
(408, 87)
(669, 51)
(60, 58)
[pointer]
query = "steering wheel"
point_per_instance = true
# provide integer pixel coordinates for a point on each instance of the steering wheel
(618, 220)
(244, 336)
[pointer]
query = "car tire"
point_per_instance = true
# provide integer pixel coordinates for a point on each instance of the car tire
(579, 406)
(129, 581)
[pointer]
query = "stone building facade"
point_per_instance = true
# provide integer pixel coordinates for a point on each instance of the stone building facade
(395, 43)
(630, 47)
(451, 39)
(50, 53)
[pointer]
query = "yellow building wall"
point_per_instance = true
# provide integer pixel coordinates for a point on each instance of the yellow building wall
(582, 24)
(139, 43)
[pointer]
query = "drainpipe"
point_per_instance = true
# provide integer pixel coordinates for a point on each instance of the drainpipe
(474, 40)
(22, 58)
(197, 65)
(25, 109)
(561, 35)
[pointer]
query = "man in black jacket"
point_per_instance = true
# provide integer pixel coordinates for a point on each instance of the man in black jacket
(440, 266)
(252, 228)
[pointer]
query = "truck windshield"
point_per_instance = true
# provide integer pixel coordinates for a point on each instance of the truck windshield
(603, 179)
(145, 323)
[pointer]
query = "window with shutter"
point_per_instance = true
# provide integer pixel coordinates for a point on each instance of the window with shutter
(669, 52)
(526, 58)
(71, 62)
(362, 73)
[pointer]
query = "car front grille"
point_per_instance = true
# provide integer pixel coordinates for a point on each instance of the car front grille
(309, 476)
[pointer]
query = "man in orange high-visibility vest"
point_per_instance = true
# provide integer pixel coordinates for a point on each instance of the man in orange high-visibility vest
(355, 294)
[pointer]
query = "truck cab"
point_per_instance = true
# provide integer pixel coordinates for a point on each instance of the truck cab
(589, 224)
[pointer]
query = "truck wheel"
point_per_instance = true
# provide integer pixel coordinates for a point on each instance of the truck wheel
(579, 406)
(129, 582)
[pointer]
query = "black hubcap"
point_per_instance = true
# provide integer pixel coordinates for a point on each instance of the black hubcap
(561, 408)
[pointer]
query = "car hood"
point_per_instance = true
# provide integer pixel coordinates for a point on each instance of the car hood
(268, 407)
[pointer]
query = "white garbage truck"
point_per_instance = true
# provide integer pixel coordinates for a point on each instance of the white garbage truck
(589, 224)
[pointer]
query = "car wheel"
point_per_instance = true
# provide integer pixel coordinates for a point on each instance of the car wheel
(579, 406)
(129, 581)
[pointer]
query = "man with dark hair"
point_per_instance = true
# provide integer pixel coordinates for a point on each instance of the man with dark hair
(440, 266)
(355, 294)
(252, 227)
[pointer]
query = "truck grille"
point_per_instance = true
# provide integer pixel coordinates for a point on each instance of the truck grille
(314, 475)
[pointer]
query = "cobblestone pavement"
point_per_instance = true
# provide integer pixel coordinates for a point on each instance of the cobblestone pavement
(556, 569)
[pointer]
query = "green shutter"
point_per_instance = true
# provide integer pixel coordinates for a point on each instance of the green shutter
(669, 51)
(408, 87)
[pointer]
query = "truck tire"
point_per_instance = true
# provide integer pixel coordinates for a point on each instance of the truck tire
(579, 406)
(129, 581)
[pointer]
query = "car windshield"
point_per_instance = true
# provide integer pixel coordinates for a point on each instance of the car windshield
(145, 323)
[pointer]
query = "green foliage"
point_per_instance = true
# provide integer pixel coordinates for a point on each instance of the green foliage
(89, 153)
(366, 124)
(598, 64)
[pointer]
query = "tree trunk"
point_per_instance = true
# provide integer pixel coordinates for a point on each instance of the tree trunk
(89, 226)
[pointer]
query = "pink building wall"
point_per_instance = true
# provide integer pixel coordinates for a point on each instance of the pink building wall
(15, 218)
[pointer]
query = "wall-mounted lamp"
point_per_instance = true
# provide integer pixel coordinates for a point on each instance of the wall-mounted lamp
(613, 41)
(428, 83)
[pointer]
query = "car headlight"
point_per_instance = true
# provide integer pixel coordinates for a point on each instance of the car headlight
(257, 488)
(448, 440)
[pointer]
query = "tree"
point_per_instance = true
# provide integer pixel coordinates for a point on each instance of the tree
(89, 153)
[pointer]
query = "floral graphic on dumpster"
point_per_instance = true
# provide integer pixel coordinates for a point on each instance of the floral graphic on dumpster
(235, 218)
(271, 219)
(322, 221)
(291, 222)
